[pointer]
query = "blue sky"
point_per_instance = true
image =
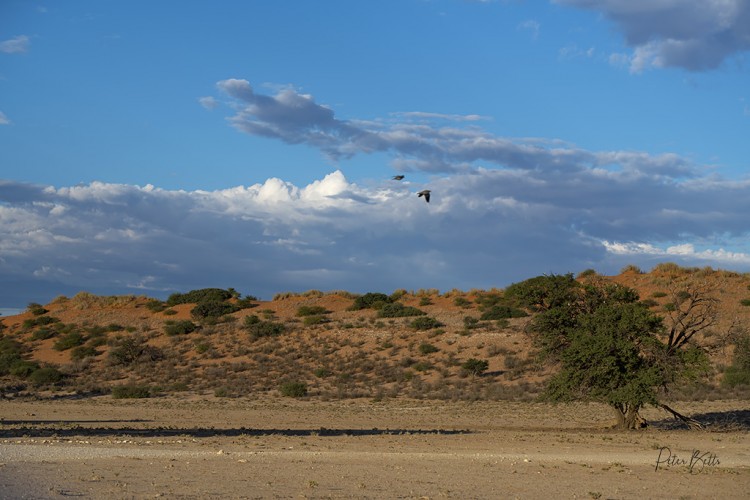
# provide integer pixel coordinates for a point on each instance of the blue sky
(153, 147)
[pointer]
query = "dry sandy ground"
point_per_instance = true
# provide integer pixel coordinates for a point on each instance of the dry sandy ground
(282, 448)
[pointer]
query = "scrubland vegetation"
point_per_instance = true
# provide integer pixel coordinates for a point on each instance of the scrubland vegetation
(555, 337)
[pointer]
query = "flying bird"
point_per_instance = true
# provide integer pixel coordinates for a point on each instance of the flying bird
(426, 194)
(397, 177)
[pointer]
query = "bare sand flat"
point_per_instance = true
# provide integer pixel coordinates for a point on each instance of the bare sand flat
(283, 448)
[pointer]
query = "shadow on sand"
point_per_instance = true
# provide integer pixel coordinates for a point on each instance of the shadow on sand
(75, 428)
(732, 420)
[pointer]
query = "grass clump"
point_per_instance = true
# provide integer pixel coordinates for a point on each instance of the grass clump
(181, 327)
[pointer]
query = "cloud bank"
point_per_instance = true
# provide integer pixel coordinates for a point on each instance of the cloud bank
(696, 35)
(484, 228)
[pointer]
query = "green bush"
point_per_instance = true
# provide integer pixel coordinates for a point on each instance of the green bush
(129, 350)
(155, 306)
(426, 348)
(425, 323)
(181, 327)
(398, 310)
(370, 300)
(131, 391)
(198, 296)
(502, 312)
(45, 376)
(212, 309)
(745, 302)
(461, 302)
(314, 320)
(260, 328)
(293, 389)
(311, 310)
(70, 340)
(23, 368)
(43, 334)
(323, 372)
(84, 351)
(36, 309)
(475, 366)
(10, 354)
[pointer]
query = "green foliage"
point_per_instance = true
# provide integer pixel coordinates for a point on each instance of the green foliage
(180, 327)
(155, 306)
(69, 341)
(425, 323)
(544, 292)
(36, 309)
(371, 300)
(131, 391)
(322, 372)
(745, 302)
(23, 368)
(462, 302)
(43, 334)
(475, 366)
(198, 296)
(314, 320)
(212, 309)
(129, 350)
(47, 375)
(293, 389)
(84, 351)
(502, 312)
(261, 328)
(311, 310)
(739, 372)
(398, 310)
(10, 354)
(426, 348)
(658, 295)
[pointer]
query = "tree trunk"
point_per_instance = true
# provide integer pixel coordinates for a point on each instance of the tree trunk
(628, 417)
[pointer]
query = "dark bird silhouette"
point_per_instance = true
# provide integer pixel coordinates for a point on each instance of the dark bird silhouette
(397, 177)
(426, 194)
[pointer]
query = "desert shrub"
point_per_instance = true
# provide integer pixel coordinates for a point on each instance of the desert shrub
(631, 268)
(70, 340)
(462, 302)
(261, 328)
(293, 389)
(129, 350)
(658, 295)
(475, 366)
(502, 312)
(739, 372)
(322, 372)
(311, 310)
(425, 301)
(398, 310)
(745, 302)
(425, 323)
(212, 309)
(181, 327)
(198, 296)
(426, 348)
(47, 375)
(668, 268)
(155, 305)
(131, 391)
(10, 353)
(370, 300)
(421, 366)
(43, 334)
(649, 303)
(36, 309)
(397, 294)
(470, 322)
(23, 368)
(587, 273)
(84, 351)
(314, 320)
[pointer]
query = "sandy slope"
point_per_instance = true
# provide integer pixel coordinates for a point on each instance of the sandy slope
(279, 448)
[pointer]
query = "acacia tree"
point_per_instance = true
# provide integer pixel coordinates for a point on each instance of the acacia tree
(609, 346)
